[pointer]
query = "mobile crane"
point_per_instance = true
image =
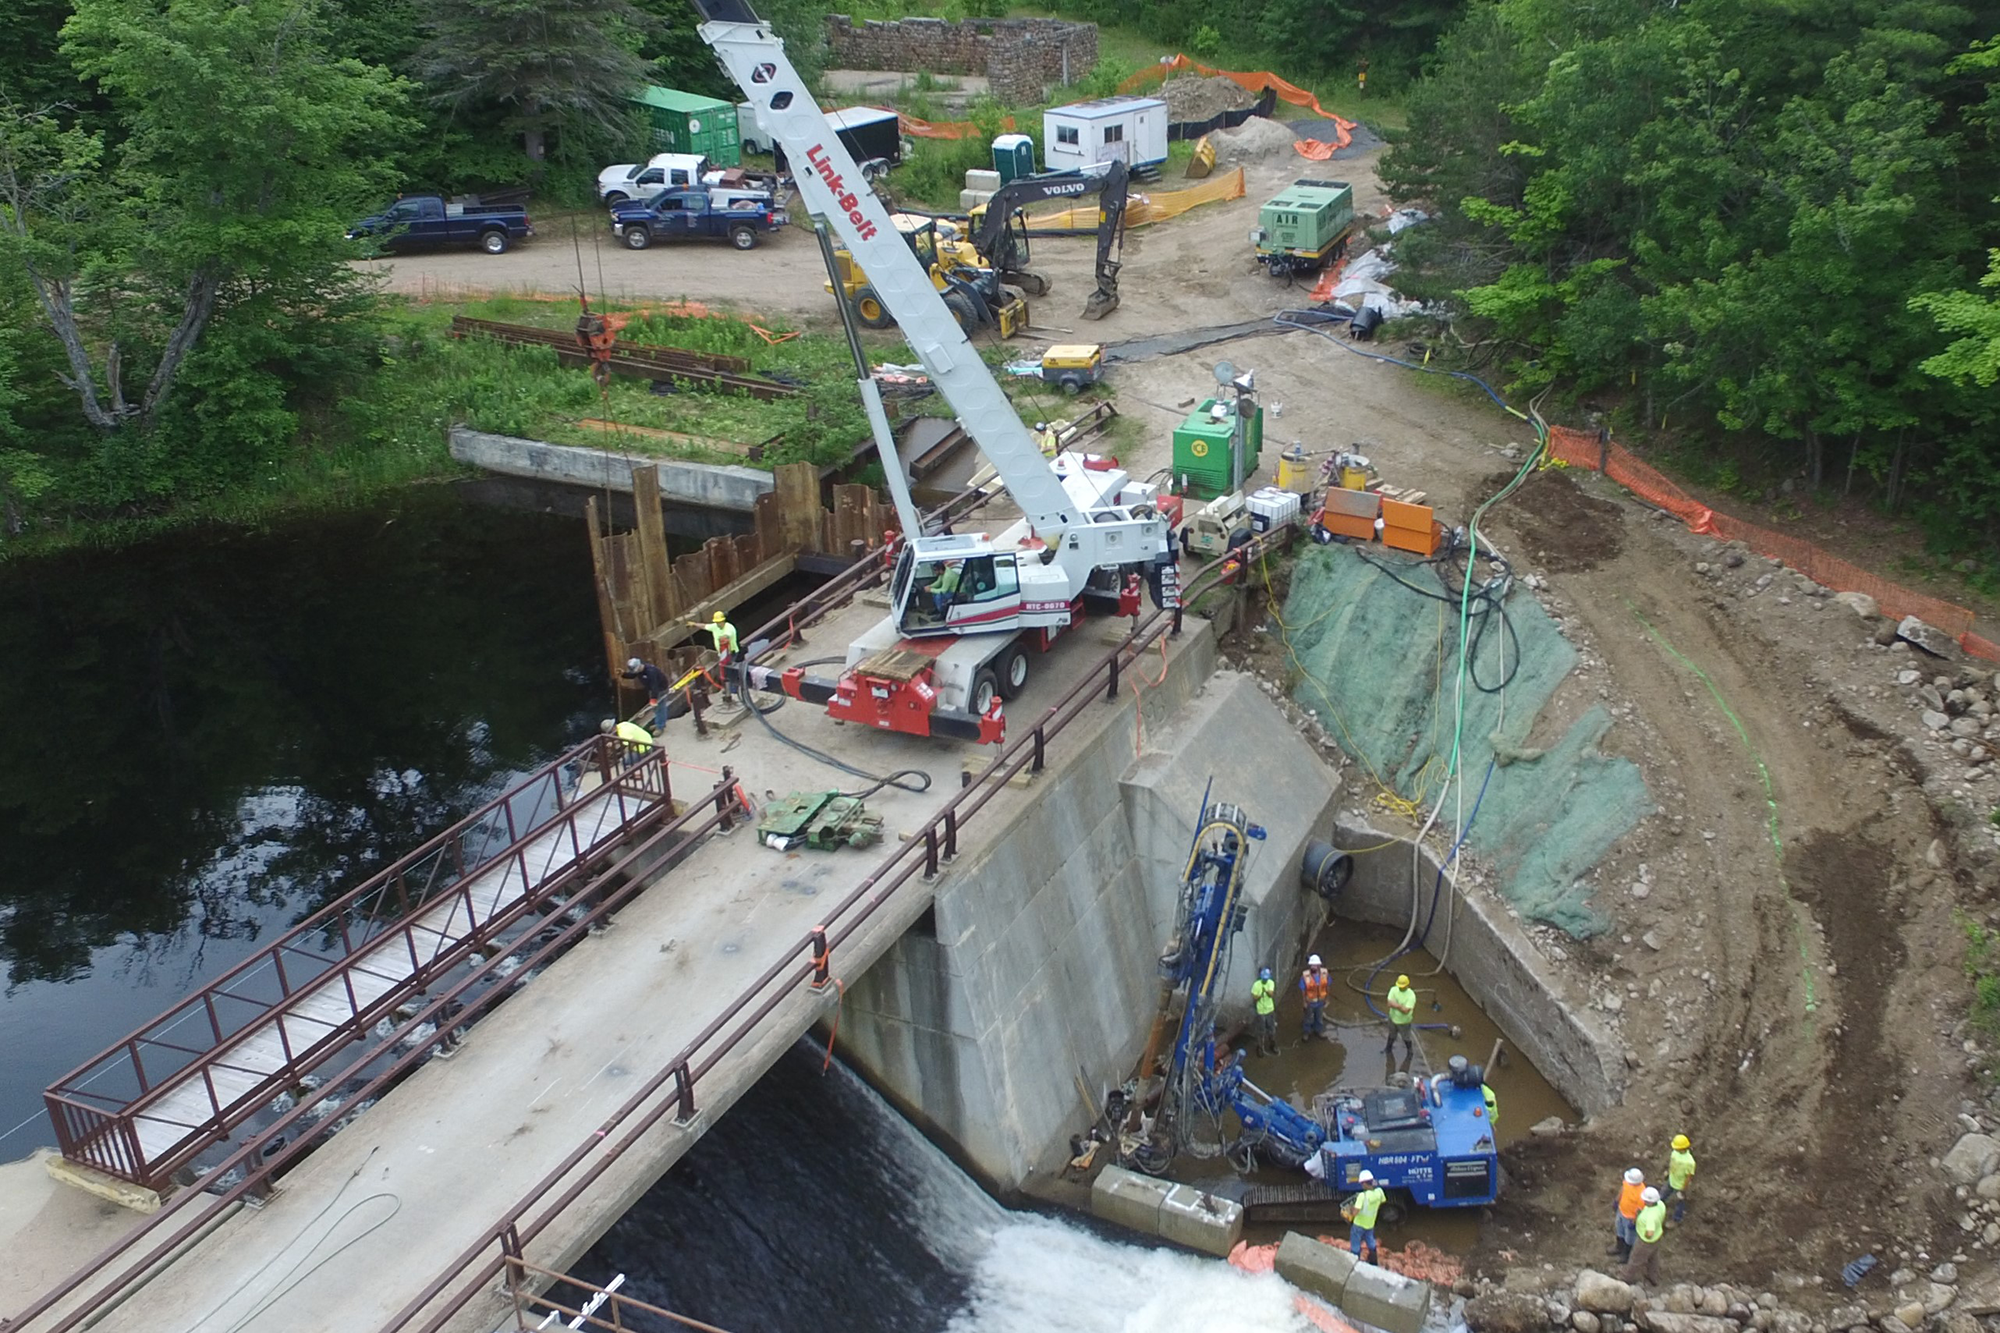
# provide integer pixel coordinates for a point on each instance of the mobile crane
(965, 609)
(1429, 1144)
(1001, 237)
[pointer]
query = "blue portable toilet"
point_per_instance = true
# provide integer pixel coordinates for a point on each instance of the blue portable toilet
(1014, 157)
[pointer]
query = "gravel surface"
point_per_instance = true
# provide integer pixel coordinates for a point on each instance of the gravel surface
(1326, 131)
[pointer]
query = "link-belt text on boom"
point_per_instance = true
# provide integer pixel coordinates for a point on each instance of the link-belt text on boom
(817, 156)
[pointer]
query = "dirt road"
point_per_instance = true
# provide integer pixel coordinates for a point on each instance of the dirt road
(1785, 967)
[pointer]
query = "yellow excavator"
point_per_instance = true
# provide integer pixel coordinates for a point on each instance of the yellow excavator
(971, 288)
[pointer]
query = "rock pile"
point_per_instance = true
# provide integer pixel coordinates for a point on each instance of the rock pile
(1194, 98)
(1255, 140)
(1595, 1302)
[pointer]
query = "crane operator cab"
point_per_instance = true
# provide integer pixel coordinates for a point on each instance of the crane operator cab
(957, 593)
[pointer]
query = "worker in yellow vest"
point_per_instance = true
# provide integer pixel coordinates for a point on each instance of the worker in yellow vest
(1492, 1111)
(1265, 992)
(1680, 1175)
(1648, 1227)
(1402, 1017)
(724, 635)
(637, 741)
(1361, 1226)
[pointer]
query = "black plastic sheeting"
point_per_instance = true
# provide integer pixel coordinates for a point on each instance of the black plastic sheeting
(1227, 120)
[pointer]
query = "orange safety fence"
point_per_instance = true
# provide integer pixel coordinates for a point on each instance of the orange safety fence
(945, 129)
(1255, 81)
(1152, 206)
(1578, 448)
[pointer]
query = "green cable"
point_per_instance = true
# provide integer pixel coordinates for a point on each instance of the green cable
(1770, 793)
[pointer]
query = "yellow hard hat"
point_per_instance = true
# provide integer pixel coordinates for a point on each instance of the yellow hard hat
(1404, 982)
(718, 617)
(1680, 1143)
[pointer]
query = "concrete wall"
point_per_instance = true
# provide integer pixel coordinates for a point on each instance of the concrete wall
(1021, 58)
(708, 485)
(1043, 959)
(1496, 962)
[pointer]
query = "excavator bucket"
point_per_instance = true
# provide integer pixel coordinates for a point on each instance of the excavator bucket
(1100, 304)
(1203, 160)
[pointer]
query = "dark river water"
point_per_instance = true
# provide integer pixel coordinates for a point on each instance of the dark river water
(208, 735)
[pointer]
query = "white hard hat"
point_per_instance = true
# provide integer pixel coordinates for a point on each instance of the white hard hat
(633, 664)
(1651, 1195)
(1635, 1176)
(1313, 961)
(1367, 1177)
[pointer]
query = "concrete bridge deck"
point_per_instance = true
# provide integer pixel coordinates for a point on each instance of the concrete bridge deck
(368, 1220)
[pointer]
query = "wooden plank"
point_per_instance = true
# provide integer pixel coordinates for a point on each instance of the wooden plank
(799, 514)
(763, 576)
(658, 602)
(607, 610)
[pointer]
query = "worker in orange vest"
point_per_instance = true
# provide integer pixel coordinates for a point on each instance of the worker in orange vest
(1631, 1198)
(1313, 985)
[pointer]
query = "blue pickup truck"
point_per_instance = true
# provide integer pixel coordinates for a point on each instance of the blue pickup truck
(422, 221)
(739, 217)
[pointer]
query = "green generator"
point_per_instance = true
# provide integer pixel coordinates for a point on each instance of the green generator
(1201, 448)
(1305, 227)
(690, 123)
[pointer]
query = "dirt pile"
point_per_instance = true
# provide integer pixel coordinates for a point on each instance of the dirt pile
(1255, 140)
(1196, 98)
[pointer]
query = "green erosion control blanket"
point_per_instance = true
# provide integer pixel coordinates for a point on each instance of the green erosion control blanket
(1378, 662)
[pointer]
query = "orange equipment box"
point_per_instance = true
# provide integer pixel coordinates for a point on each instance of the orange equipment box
(1408, 527)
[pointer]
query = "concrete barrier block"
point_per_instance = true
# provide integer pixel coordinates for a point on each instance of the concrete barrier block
(1314, 1266)
(1387, 1300)
(1200, 1220)
(1129, 1199)
(971, 199)
(989, 181)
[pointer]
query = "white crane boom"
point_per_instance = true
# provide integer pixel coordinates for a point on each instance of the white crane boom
(832, 186)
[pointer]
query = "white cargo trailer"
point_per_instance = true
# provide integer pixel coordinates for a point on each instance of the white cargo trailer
(1082, 135)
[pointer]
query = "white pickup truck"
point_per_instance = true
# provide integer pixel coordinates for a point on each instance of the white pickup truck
(672, 171)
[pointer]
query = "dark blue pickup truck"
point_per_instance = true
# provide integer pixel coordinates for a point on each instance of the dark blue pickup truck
(421, 221)
(738, 216)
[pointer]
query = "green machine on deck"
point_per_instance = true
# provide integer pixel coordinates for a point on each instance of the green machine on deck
(822, 820)
(1202, 442)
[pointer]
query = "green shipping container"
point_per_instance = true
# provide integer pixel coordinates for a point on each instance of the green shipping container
(1201, 450)
(689, 123)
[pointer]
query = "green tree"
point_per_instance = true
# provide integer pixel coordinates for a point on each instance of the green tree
(222, 195)
(542, 67)
(1974, 356)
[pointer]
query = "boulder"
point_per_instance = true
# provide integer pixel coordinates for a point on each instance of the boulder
(1860, 603)
(1935, 720)
(1972, 1157)
(1601, 1293)
(1893, 1323)
(1948, 1272)
(1712, 1303)
(1583, 1321)
(1911, 1314)
(1664, 1321)
(1679, 1299)
(1925, 636)
(1936, 1296)
(1506, 1312)
(1547, 1127)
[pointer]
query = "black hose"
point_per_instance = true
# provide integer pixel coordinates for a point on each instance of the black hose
(1480, 605)
(903, 779)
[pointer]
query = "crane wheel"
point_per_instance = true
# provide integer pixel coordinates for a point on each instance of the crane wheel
(868, 308)
(1013, 672)
(985, 689)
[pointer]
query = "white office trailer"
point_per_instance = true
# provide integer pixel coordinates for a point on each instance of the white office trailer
(1082, 135)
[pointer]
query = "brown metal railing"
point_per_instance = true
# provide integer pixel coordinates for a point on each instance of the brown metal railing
(278, 1146)
(601, 1307)
(355, 960)
(804, 963)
